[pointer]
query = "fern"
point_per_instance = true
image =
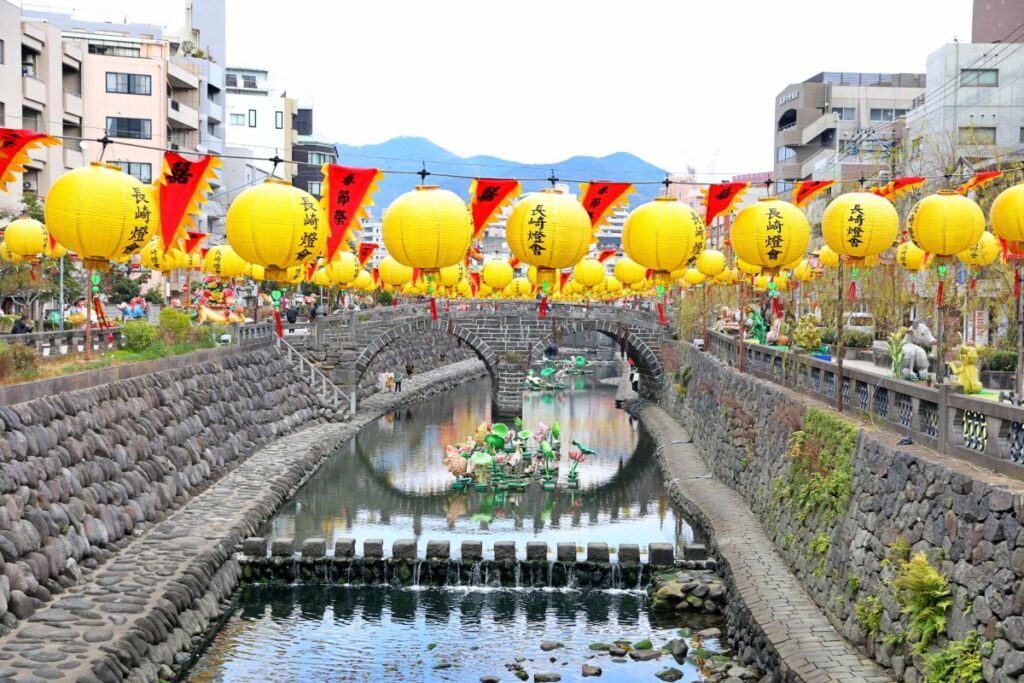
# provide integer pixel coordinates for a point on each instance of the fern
(869, 611)
(958, 662)
(924, 594)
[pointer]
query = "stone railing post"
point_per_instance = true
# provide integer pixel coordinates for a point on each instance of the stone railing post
(945, 419)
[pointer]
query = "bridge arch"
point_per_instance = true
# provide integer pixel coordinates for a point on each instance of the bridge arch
(643, 356)
(419, 326)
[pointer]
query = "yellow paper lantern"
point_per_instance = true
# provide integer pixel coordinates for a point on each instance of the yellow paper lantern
(154, 257)
(519, 288)
(663, 235)
(748, 268)
(320, 277)
(277, 226)
(860, 224)
(549, 230)
(729, 276)
(589, 272)
(694, 277)
(710, 262)
(363, 281)
(770, 233)
(766, 282)
(911, 257)
(342, 269)
(222, 261)
(985, 252)
(1007, 214)
(464, 289)
(828, 257)
(101, 213)
(628, 272)
(26, 236)
(803, 271)
(428, 228)
(7, 255)
(496, 274)
(612, 285)
(451, 275)
(58, 250)
(393, 273)
(255, 271)
(945, 223)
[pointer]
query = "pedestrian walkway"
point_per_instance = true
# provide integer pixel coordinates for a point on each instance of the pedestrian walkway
(144, 605)
(806, 645)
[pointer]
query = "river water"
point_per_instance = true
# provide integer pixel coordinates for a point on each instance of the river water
(390, 483)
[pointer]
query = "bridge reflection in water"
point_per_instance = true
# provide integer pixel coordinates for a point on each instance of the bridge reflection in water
(390, 483)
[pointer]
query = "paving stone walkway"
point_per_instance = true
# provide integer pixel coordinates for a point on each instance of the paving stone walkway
(144, 605)
(807, 646)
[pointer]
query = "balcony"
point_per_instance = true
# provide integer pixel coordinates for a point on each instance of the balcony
(214, 144)
(214, 111)
(73, 105)
(181, 77)
(33, 89)
(181, 116)
(797, 169)
(73, 158)
(827, 121)
(72, 56)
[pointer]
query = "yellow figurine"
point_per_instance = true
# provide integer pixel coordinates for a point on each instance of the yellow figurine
(966, 370)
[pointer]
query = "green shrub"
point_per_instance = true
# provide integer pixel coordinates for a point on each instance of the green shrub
(25, 357)
(153, 296)
(855, 339)
(199, 335)
(138, 335)
(174, 325)
(807, 335)
(868, 612)
(924, 594)
(828, 335)
(997, 361)
(958, 662)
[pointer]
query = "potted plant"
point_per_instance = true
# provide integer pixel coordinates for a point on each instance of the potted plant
(998, 368)
(807, 336)
(895, 346)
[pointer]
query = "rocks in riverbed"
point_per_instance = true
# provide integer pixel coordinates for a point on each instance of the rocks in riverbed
(687, 591)
(549, 645)
(590, 670)
(669, 674)
(676, 647)
(547, 677)
(644, 655)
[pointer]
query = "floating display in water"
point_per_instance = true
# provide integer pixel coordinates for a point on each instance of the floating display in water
(496, 457)
(552, 376)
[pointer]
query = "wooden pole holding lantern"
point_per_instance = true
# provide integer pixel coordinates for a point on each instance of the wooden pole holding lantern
(88, 314)
(839, 339)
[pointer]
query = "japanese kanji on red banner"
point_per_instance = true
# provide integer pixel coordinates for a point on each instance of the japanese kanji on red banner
(721, 198)
(805, 190)
(601, 198)
(486, 197)
(347, 192)
(183, 186)
(14, 147)
(366, 250)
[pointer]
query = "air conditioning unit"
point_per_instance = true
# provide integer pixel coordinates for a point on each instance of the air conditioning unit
(30, 186)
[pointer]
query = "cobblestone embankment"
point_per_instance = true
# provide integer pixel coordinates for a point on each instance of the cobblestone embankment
(130, 617)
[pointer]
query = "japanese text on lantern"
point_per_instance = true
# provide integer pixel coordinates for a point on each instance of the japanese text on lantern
(141, 230)
(774, 239)
(307, 241)
(181, 173)
(538, 220)
(698, 233)
(217, 255)
(344, 197)
(855, 226)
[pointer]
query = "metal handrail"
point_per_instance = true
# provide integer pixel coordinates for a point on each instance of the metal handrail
(315, 374)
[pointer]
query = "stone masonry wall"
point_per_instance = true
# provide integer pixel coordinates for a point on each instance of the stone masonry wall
(80, 471)
(968, 522)
(428, 350)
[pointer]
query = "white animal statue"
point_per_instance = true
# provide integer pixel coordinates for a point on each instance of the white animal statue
(915, 350)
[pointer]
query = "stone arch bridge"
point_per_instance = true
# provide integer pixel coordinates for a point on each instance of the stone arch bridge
(508, 336)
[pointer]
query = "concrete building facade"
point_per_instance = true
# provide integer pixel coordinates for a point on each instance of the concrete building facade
(309, 152)
(839, 125)
(259, 119)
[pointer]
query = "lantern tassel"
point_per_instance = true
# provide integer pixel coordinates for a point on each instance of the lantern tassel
(542, 313)
(776, 307)
(662, 320)
(433, 308)
(851, 293)
(973, 285)
(277, 323)
(447, 305)
(942, 289)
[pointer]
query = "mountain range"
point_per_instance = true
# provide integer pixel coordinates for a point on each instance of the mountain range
(408, 154)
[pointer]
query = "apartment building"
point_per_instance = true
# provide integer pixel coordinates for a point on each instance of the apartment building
(41, 86)
(310, 152)
(260, 119)
(840, 125)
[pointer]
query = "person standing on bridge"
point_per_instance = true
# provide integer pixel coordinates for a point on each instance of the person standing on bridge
(398, 380)
(622, 340)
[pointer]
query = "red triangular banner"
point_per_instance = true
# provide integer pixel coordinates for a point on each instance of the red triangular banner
(720, 198)
(487, 195)
(366, 250)
(181, 188)
(600, 198)
(347, 193)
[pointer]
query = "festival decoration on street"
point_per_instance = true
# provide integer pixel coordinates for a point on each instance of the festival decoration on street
(222, 261)
(277, 226)
(488, 196)
(601, 199)
(347, 193)
(14, 148)
(663, 235)
(629, 272)
(945, 223)
(898, 187)
(722, 198)
(979, 179)
(496, 274)
(427, 229)
(805, 190)
(393, 273)
(984, 252)
(710, 262)
(770, 233)
(859, 224)
(26, 236)
(1007, 214)
(101, 213)
(181, 191)
(589, 272)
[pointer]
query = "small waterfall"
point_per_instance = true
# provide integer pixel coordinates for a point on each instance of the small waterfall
(457, 566)
(416, 569)
(487, 575)
(551, 577)
(296, 570)
(518, 574)
(474, 577)
(571, 581)
(640, 578)
(348, 573)
(615, 578)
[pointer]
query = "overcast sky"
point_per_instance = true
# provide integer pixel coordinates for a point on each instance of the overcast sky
(676, 82)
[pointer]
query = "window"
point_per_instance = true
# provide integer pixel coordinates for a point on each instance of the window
(845, 113)
(231, 80)
(2, 120)
(237, 119)
(878, 115)
(252, 118)
(144, 172)
(319, 159)
(314, 188)
(784, 154)
(1, 52)
(131, 84)
(118, 127)
(114, 48)
(980, 78)
(3, 114)
(248, 81)
(974, 135)
(278, 119)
